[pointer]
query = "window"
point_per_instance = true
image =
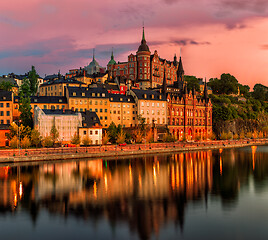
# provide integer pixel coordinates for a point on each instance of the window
(101, 110)
(105, 110)
(153, 104)
(8, 121)
(2, 113)
(7, 104)
(91, 132)
(96, 110)
(142, 104)
(148, 104)
(1, 104)
(96, 132)
(74, 93)
(85, 132)
(8, 113)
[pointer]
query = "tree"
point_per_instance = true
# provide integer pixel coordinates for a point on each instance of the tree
(121, 137)
(86, 141)
(54, 132)
(112, 131)
(6, 86)
(137, 135)
(150, 136)
(76, 139)
(192, 83)
(35, 138)
(33, 79)
(260, 92)
(25, 104)
(25, 142)
(14, 142)
(105, 138)
(47, 142)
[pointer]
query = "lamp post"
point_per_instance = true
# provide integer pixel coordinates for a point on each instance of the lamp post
(19, 135)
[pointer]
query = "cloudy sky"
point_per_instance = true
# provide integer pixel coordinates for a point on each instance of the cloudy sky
(216, 36)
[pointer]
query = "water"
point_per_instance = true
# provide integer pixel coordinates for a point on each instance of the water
(221, 194)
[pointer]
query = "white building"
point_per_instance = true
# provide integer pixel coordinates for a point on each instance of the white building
(67, 122)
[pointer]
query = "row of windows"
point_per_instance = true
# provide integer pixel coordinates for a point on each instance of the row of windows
(81, 102)
(153, 104)
(2, 113)
(153, 112)
(2, 105)
(119, 106)
(3, 122)
(91, 132)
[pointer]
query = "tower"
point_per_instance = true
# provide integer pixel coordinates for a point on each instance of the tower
(143, 60)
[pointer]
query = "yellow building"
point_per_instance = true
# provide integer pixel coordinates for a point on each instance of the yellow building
(57, 87)
(6, 105)
(151, 105)
(93, 99)
(43, 102)
(123, 110)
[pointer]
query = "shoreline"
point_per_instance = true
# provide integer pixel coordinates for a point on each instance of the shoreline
(102, 152)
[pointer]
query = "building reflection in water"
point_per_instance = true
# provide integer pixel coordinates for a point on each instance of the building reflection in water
(146, 193)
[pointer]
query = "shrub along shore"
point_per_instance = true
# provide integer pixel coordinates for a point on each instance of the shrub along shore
(60, 154)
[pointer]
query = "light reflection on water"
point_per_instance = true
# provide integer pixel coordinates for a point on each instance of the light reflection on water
(207, 194)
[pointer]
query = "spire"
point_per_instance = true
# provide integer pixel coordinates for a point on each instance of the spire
(143, 35)
(205, 90)
(180, 71)
(112, 61)
(143, 47)
(164, 86)
(175, 60)
(93, 53)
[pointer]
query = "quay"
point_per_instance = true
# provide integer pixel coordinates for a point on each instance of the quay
(61, 154)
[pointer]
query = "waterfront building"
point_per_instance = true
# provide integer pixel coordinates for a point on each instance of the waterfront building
(4, 130)
(91, 98)
(123, 110)
(91, 128)
(151, 105)
(43, 102)
(67, 122)
(6, 104)
(144, 69)
(57, 87)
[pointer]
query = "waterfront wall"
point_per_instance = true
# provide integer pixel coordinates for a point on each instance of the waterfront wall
(50, 154)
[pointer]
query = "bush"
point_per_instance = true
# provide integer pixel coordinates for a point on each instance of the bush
(168, 138)
(236, 136)
(86, 141)
(249, 135)
(47, 142)
(25, 143)
(14, 142)
(76, 139)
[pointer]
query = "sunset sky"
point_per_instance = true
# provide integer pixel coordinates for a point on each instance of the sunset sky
(216, 36)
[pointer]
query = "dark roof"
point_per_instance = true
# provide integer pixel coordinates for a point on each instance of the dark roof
(51, 77)
(143, 47)
(90, 119)
(4, 126)
(5, 95)
(48, 99)
(62, 80)
(9, 79)
(148, 93)
(111, 87)
(121, 98)
(59, 112)
(97, 92)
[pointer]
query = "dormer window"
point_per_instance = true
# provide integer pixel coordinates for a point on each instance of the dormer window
(121, 99)
(83, 94)
(60, 100)
(152, 96)
(128, 99)
(145, 95)
(98, 94)
(160, 97)
(93, 94)
(103, 94)
(74, 93)
(35, 100)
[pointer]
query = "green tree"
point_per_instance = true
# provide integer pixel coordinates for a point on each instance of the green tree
(112, 131)
(6, 86)
(192, 83)
(33, 79)
(14, 142)
(26, 116)
(105, 138)
(260, 92)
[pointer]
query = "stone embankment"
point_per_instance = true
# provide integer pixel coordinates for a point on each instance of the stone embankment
(59, 154)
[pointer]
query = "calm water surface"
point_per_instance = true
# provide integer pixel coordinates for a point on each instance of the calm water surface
(220, 194)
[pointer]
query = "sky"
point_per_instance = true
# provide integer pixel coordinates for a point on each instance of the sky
(215, 36)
